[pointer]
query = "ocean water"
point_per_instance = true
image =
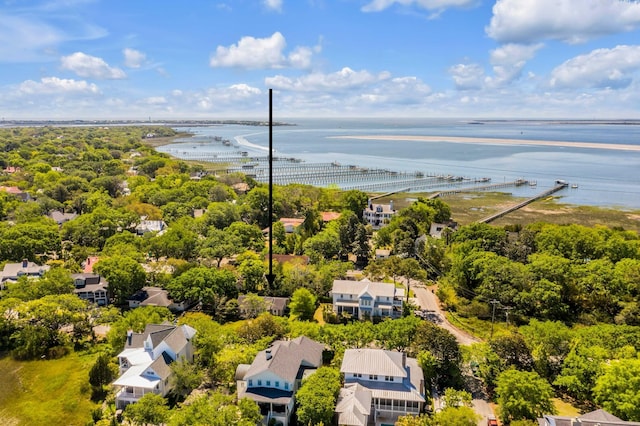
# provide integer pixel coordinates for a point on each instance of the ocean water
(604, 177)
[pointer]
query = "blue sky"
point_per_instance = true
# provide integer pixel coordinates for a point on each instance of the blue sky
(134, 59)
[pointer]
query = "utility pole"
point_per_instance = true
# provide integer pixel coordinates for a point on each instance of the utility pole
(506, 312)
(494, 302)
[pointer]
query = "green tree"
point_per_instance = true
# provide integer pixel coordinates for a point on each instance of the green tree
(219, 244)
(456, 398)
(443, 347)
(185, 377)
(101, 373)
(317, 396)
(214, 408)
(125, 276)
(523, 395)
(207, 286)
(455, 416)
(302, 305)
(617, 390)
(252, 305)
(151, 409)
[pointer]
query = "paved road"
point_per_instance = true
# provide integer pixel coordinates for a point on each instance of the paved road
(427, 300)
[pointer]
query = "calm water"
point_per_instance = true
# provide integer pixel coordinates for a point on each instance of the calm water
(604, 177)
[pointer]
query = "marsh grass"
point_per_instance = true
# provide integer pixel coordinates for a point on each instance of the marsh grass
(46, 392)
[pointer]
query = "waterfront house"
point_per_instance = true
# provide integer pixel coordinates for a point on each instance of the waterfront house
(273, 377)
(367, 299)
(378, 215)
(389, 381)
(145, 361)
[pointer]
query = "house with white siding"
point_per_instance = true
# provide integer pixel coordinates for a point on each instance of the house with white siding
(274, 376)
(391, 382)
(367, 299)
(146, 359)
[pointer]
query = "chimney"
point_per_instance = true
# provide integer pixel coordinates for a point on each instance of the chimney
(391, 205)
(129, 337)
(25, 263)
(404, 359)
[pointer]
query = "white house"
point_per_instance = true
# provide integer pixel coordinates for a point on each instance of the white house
(367, 299)
(275, 374)
(393, 383)
(594, 418)
(144, 362)
(378, 215)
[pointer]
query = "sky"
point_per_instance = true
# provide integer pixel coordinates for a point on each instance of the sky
(196, 59)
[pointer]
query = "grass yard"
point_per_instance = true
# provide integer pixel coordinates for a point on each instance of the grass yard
(49, 392)
(565, 409)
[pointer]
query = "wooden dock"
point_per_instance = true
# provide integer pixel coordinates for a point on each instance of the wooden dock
(559, 186)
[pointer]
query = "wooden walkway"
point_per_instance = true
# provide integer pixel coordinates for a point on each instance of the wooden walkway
(559, 186)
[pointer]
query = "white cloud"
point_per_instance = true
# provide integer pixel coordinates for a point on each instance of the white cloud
(344, 79)
(508, 62)
(244, 90)
(55, 85)
(252, 52)
(601, 68)
(467, 76)
(301, 57)
(273, 5)
(379, 5)
(262, 53)
(155, 100)
(133, 58)
(91, 67)
(573, 21)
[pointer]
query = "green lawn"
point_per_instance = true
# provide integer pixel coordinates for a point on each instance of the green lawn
(50, 392)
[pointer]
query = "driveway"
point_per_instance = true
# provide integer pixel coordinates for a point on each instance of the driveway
(427, 300)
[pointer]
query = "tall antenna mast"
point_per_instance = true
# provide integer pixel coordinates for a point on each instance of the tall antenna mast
(270, 276)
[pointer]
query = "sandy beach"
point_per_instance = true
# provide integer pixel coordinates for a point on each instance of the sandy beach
(495, 141)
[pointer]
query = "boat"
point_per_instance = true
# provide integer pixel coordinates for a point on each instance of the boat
(574, 186)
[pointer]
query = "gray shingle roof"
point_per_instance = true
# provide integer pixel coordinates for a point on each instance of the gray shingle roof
(286, 358)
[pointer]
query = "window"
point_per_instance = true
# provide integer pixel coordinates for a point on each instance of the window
(373, 377)
(250, 382)
(388, 379)
(286, 385)
(268, 382)
(259, 382)
(277, 384)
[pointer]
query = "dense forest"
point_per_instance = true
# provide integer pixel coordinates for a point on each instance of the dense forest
(563, 298)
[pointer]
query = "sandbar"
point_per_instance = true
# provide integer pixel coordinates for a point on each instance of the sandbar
(495, 141)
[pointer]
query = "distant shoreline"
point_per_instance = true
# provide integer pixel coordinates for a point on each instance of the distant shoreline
(495, 141)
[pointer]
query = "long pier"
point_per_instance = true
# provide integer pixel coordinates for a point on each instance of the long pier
(233, 158)
(559, 186)
(517, 182)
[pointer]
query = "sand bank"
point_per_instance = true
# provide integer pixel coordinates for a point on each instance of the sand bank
(495, 141)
